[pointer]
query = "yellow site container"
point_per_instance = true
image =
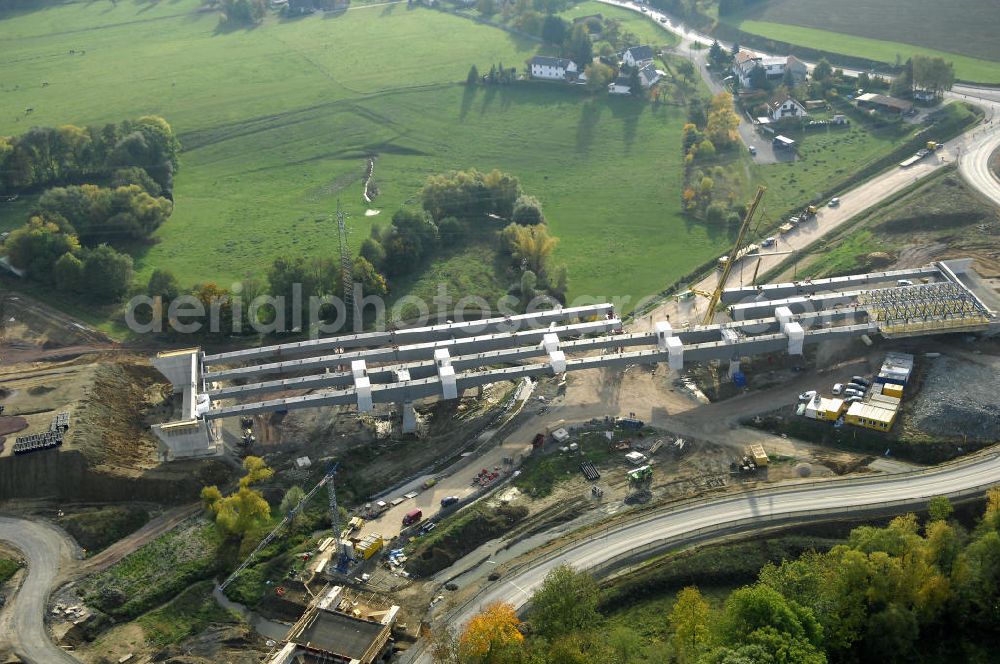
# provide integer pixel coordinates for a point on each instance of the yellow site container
(759, 455)
(369, 546)
(892, 390)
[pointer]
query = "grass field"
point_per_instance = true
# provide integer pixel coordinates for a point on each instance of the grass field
(961, 27)
(276, 122)
(634, 22)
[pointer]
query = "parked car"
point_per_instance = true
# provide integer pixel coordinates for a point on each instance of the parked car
(834, 202)
(903, 282)
(861, 380)
(752, 150)
(849, 391)
(856, 386)
(807, 396)
(838, 388)
(449, 500)
(768, 242)
(853, 399)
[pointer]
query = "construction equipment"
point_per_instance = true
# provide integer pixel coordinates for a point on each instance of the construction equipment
(728, 267)
(326, 481)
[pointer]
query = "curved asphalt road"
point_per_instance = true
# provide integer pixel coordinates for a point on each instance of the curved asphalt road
(22, 627)
(770, 504)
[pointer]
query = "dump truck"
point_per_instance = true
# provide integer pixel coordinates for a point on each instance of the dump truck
(759, 455)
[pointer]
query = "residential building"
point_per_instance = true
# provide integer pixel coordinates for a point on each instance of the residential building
(638, 56)
(619, 86)
(798, 69)
(883, 103)
(773, 65)
(785, 107)
(552, 69)
(649, 76)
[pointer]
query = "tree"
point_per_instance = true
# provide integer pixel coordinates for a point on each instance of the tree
(706, 149)
(758, 79)
(754, 607)
(554, 29)
(68, 273)
(939, 508)
(242, 512)
(531, 244)
(566, 602)
(473, 76)
(932, 74)
(689, 621)
(163, 284)
(257, 471)
(210, 497)
(822, 71)
(686, 69)
(598, 76)
(243, 11)
(722, 121)
(492, 636)
(372, 251)
(372, 283)
(107, 274)
(36, 246)
(487, 7)
(578, 47)
(291, 499)
(716, 55)
(527, 211)
(635, 83)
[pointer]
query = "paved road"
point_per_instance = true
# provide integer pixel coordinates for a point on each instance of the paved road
(790, 501)
(22, 624)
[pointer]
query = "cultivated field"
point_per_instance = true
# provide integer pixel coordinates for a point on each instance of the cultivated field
(963, 31)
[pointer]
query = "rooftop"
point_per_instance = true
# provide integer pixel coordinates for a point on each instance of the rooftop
(546, 61)
(340, 634)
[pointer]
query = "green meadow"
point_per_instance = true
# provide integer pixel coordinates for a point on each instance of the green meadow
(277, 121)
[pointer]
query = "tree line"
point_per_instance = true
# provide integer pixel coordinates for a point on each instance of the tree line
(51, 156)
(109, 189)
(906, 592)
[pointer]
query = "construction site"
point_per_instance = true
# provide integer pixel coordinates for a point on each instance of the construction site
(409, 469)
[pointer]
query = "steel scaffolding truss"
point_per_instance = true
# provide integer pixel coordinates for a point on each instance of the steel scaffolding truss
(924, 307)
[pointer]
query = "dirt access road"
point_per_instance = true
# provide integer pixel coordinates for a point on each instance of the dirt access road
(22, 622)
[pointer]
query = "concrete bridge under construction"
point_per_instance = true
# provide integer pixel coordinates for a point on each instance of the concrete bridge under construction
(442, 361)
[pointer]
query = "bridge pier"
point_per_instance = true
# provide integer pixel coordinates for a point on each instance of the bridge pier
(409, 417)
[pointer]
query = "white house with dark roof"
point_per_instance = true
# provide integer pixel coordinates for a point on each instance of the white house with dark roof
(637, 56)
(785, 107)
(552, 69)
(773, 65)
(649, 76)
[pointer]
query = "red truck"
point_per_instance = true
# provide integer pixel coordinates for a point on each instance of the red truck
(412, 517)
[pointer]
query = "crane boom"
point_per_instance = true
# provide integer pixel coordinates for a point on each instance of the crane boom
(728, 267)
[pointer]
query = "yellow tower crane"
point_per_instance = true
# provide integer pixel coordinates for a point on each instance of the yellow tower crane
(728, 267)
